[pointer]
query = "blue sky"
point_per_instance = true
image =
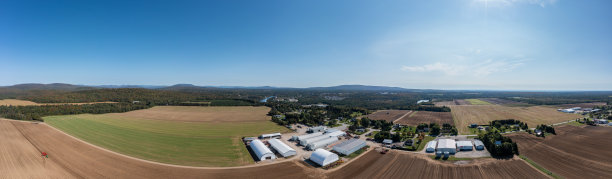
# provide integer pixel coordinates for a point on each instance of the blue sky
(453, 44)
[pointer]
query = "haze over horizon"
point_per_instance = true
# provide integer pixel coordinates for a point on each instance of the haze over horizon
(463, 44)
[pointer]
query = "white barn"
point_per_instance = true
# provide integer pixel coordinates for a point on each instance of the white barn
(302, 137)
(322, 143)
(323, 157)
(431, 146)
(273, 135)
(447, 145)
(305, 142)
(261, 151)
(336, 134)
(479, 145)
(350, 146)
(464, 145)
(282, 148)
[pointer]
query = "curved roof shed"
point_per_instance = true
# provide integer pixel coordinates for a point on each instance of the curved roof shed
(261, 151)
(323, 157)
(281, 148)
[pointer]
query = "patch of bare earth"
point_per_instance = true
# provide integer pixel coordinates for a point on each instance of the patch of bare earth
(201, 114)
(389, 115)
(426, 117)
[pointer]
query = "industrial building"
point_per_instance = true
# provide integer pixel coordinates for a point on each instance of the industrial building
(431, 146)
(447, 146)
(322, 143)
(330, 130)
(302, 137)
(350, 146)
(261, 151)
(305, 142)
(282, 148)
(479, 145)
(323, 157)
(464, 145)
(316, 129)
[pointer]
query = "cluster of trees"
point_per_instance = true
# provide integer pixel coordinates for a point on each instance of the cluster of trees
(366, 123)
(435, 129)
(507, 122)
(37, 112)
(546, 129)
(505, 147)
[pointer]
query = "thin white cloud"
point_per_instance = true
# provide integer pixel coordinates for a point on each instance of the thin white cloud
(482, 69)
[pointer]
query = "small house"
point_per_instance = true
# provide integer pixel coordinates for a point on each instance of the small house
(387, 141)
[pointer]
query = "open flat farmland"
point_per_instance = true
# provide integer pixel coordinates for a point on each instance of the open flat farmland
(207, 142)
(444, 103)
(582, 105)
(482, 114)
(575, 152)
(17, 102)
(20, 159)
(389, 115)
(504, 102)
(71, 158)
(408, 165)
(477, 102)
(419, 117)
(200, 114)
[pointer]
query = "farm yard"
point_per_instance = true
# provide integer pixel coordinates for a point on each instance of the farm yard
(465, 115)
(402, 165)
(193, 136)
(426, 117)
(575, 152)
(389, 115)
(71, 158)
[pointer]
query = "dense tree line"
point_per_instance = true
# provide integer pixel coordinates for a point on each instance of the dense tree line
(546, 129)
(507, 122)
(504, 148)
(37, 112)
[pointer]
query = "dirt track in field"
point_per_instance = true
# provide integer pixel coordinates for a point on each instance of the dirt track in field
(575, 152)
(407, 165)
(201, 114)
(426, 117)
(389, 115)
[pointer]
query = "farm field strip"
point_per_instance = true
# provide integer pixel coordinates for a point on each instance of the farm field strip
(477, 102)
(389, 115)
(419, 117)
(16, 102)
(402, 165)
(465, 115)
(167, 141)
(576, 152)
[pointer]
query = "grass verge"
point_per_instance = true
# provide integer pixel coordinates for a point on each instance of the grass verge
(532, 163)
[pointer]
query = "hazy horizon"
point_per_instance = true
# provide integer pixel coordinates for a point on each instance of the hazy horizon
(518, 45)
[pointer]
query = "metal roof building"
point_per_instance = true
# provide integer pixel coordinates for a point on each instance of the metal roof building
(447, 145)
(305, 142)
(479, 145)
(261, 151)
(322, 143)
(317, 129)
(281, 148)
(431, 146)
(464, 145)
(274, 135)
(302, 137)
(330, 130)
(349, 146)
(387, 141)
(336, 134)
(323, 157)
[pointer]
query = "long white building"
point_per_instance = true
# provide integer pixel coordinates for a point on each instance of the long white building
(322, 143)
(431, 146)
(447, 145)
(281, 148)
(302, 137)
(305, 142)
(349, 146)
(464, 145)
(323, 157)
(261, 151)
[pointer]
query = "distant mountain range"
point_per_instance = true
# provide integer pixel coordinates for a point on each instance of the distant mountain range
(70, 87)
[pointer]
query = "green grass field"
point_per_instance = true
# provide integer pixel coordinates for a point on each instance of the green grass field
(478, 102)
(182, 143)
(424, 142)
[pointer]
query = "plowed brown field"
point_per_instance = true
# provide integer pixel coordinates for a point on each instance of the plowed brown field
(426, 117)
(389, 115)
(576, 152)
(408, 165)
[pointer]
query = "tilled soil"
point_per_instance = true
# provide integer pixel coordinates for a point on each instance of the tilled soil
(575, 152)
(406, 165)
(389, 115)
(426, 117)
